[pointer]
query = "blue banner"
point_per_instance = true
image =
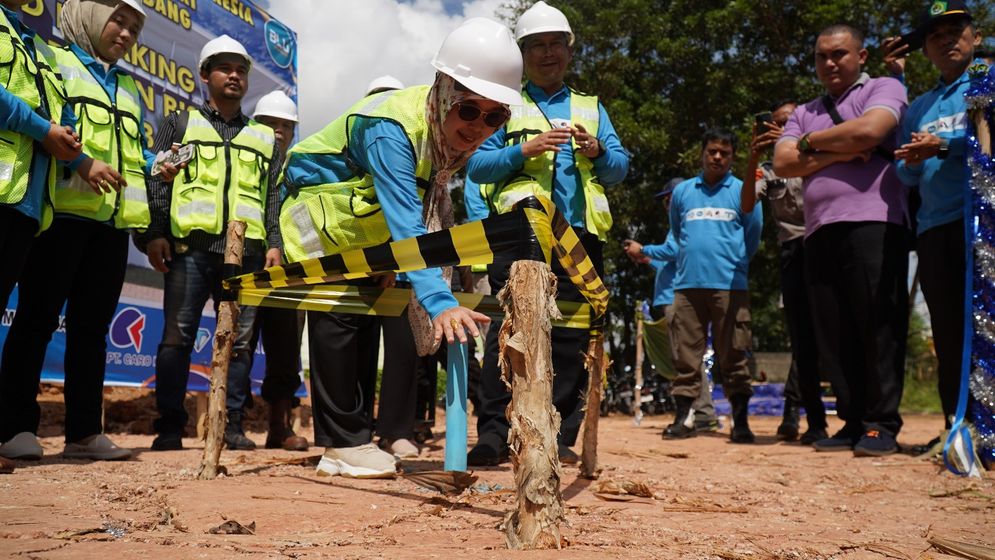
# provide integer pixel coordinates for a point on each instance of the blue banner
(132, 342)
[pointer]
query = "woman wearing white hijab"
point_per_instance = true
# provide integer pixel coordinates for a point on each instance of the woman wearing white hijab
(80, 261)
(379, 172)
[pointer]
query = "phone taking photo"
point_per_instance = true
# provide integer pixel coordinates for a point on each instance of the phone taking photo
(762, 118)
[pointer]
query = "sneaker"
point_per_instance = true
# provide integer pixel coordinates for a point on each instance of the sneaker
(22, 446)
(364, 461)
(813, 435)
(97, 447)
(401, 448)
(841, 441)
(567, 455)
(236, 441)
(875, 443)
(702, 425)
(167, 442)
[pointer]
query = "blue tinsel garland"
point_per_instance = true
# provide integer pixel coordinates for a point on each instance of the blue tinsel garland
(981, 409)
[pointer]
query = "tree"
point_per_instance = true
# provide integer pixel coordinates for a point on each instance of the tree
(667, 70)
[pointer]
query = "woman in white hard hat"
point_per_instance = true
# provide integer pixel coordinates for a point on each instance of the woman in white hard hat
(80, 261)
(360, 182)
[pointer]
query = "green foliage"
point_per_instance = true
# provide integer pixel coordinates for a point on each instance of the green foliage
(920, 394)
(667, 70)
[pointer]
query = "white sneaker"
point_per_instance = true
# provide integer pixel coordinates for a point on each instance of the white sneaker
(364, 461)
(22, 446)
(97, 447)
(401, 448)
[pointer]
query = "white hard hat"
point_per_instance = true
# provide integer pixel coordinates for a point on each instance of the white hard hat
(482, 55)
(136, 5)
(542, 18)
(276, 104)
(384, 83)
(223, 45)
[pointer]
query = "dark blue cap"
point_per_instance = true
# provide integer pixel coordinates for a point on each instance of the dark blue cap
(669, 188)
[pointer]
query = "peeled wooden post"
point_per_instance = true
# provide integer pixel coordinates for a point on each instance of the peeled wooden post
(527, 367)
(637, 390)
(224, 338)
(596, 366)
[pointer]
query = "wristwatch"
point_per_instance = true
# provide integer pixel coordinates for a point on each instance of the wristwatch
(804, 145)
(944, 149)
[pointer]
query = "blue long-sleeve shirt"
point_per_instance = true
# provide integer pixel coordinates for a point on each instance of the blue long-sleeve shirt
(108, 80)
(663, 259)
(381, 148)
(942, 112)
(476, 206)
(715, 238)
(493, 161)
(17, 116)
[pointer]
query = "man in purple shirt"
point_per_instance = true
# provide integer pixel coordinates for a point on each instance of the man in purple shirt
(855, 238)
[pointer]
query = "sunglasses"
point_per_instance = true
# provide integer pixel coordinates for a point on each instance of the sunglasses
(470, 113)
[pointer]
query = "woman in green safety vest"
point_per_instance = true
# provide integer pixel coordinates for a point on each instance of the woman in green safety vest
(361, 181)
(80, 260)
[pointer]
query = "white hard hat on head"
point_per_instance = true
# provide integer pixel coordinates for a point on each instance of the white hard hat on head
(223, 45)
(542, 18)
(482, 55)
(135, 5)
(384, 83)
(276, 104)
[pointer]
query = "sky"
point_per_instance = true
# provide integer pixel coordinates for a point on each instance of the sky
(345, 44)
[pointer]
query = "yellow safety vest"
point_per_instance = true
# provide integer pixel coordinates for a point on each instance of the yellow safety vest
(36, 81)
(330, 218)
(536, 176)
(110, 130)
(224, 180)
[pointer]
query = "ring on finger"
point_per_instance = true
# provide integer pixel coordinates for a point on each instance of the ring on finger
(454, 324)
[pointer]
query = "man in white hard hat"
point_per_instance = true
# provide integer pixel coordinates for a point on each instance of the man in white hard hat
(384, 83)
(235, 163)
(280, 329)
(370, 171)
(559, 144)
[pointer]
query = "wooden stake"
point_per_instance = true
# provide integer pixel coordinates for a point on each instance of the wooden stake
(224, 338)
(982, 130)
(637, 390)
(596, 366)
(527, 367)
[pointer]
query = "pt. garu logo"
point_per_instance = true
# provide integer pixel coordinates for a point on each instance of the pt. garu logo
(280, 43)
(127, 328)
(203, 337)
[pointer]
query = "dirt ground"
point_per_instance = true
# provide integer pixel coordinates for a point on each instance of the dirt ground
(710, 500)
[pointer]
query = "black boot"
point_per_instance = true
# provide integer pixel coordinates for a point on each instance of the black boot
(679, 429)
(234, 436)
(740, 419)
(788, 430)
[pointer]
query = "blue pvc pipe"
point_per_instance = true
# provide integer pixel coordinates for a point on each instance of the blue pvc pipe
(456, 407)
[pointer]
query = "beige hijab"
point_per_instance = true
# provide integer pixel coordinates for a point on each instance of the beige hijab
(438, 206)
(82, 22)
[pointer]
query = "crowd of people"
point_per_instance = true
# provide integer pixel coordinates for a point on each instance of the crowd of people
(74, 192)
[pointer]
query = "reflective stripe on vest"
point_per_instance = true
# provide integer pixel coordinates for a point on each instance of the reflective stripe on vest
(536, 176)
(110, 131)
(224, 181)
(329, 218)
(35, 80)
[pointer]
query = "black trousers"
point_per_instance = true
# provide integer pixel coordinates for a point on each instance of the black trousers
(280, 330)
(81, 264)
(802, 387)
(17, 233)
(941, 271)
(398, 385)
(343, 353)
(858, 275)
(569, 345)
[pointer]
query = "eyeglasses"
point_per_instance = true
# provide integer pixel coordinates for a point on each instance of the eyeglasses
(469, 113)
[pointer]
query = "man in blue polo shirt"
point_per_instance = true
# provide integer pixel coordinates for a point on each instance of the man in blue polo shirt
(716, 240)
(560, 144)
(933, 158)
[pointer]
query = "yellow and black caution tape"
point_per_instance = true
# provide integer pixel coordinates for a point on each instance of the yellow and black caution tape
(534, 230)
(389, 302)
